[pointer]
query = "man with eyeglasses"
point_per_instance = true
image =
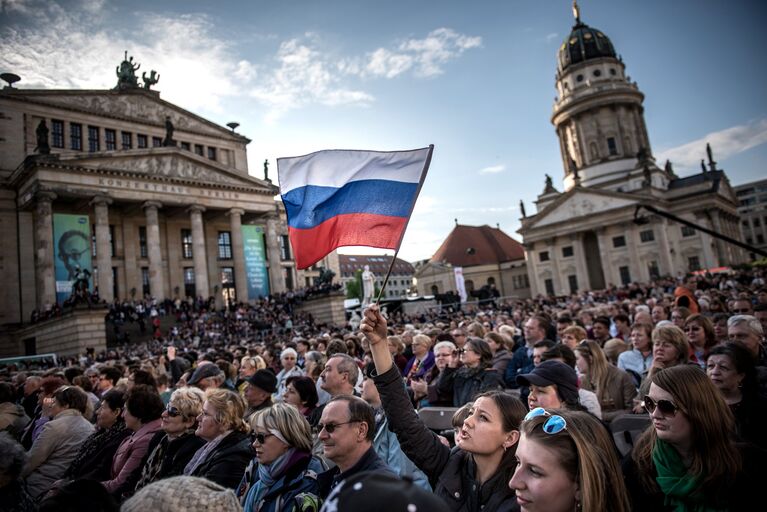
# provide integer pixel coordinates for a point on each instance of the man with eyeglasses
(346, 430)
(108, 378)
(742, 306)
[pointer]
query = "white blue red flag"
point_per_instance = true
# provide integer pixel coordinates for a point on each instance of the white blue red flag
(338, 198)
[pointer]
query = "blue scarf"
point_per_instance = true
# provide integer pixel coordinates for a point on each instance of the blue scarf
(268, 474)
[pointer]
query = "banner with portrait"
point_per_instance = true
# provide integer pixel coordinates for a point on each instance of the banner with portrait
(71, 252)
(255, 261)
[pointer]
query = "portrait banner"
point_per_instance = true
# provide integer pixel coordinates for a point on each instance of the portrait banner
(71, 252)
(255, 261)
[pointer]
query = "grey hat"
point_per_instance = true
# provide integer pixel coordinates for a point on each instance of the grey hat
(205, 371)
(182, 493)
(553, 372)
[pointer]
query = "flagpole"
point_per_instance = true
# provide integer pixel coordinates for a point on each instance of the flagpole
(410, 214)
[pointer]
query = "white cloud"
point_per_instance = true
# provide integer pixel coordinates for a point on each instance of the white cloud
(74, 48)
(424, 56)
(724, 143)
(493, 169)
(551, 36)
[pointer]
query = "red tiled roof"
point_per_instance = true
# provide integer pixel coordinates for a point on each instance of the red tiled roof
(467, 246)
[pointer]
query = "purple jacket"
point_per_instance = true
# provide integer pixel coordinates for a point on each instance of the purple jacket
(425, 367)
(126, 465)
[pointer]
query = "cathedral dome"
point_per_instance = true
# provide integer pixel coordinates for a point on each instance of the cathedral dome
(584, 43)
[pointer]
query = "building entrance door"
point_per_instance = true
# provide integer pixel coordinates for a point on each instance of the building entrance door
(593, 261)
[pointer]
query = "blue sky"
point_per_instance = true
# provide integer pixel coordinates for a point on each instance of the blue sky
(476, 79)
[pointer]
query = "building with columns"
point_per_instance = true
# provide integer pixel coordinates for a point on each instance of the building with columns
(160, 200)
(585, 236)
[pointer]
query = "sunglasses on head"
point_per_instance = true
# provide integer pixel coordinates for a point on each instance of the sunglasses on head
(259, 437)
(553, 425)
(666, 407)
(173, 412)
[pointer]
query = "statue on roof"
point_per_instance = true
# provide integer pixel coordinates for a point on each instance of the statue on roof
(266, 171)
(709, 153)
(126, 74)
(154, 77)
(549, 186)
(703, 165)
(522, 209)
(669, 169)
(576, 12)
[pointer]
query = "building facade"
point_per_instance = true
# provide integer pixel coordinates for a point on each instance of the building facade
(400, 280)
(165, 202)
(486, 257)
(585, 237)
(752, 207)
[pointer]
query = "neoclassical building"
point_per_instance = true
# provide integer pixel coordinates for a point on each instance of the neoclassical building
(150, 198)
(585, 237)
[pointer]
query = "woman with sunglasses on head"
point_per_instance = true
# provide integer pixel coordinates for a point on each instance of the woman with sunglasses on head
(171, 452)
(474, 475)
(688, 459)
(475, 376)
(283, 475)
(669, 348)
(566, 461)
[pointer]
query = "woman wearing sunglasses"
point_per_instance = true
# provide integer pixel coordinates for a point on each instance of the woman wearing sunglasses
(171, 452)
(283, 476)
(473, 476)
(475, 376)
(566, 461)
(688, 460)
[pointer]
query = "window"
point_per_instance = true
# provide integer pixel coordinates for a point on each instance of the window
(759, 238)
(198, 149)
(573, 282)
(156, 142)
(76, 136)
(688, 231)
(287, 273)
(185, 146)
(647, 235)
(142, 247)
(57, 133)
(653, 270)
(186, 243)
(549, 284)
(127, 140)
(612, 71)
(211, 153)
(93, 139)
(227, 284)
(625, 275)
(189, 287)
(112, 240)
(693, 262)
(755, 221)
(619, 241)
(145, 290)
(110, 140)
(142, 141)
(284, 247)
(611, 147)
(543, 256)
(567, 251)
(579, 78)
(597, 72)
(115, 290)
(224, 245)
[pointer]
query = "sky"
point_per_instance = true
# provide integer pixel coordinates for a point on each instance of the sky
(476, 79)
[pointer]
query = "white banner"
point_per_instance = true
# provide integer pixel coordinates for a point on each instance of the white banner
(459, 283)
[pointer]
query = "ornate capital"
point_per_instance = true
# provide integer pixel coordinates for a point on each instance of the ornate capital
(236, 211)
(101, 200)
(152, 204)
(45, 196)
(196, 208)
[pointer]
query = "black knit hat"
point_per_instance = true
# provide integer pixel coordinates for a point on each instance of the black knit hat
(376, 491)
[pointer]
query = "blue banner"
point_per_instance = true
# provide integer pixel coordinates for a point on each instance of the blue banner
(255, 262)
(71, 252)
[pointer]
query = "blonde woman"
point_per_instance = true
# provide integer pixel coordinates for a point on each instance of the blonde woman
(227, 449)
(614, 387)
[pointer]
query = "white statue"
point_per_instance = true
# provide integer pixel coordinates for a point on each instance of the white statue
(368, 286)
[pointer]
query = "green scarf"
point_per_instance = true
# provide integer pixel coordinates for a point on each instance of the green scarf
(679, 487)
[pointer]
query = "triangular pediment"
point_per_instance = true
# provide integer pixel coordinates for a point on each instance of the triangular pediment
(580, 203)
(167, 163)
(137, 106)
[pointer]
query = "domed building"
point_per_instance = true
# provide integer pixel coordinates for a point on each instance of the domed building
(585, 237)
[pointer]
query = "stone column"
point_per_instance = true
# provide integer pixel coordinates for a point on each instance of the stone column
(605, 244)
(238, 254)
(584, 283)
(44, 272)
(532, 271)
(103, 247)
(559, 288)
(637, 274)
(156, 279)
(667, 265)
(198, 252)
(273, 249)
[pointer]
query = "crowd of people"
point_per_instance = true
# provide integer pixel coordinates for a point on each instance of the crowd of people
(257, 407)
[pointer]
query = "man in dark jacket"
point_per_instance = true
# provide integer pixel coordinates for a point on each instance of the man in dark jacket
(347, 429)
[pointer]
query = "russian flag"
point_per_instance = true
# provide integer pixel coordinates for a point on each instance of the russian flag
(338, 198)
